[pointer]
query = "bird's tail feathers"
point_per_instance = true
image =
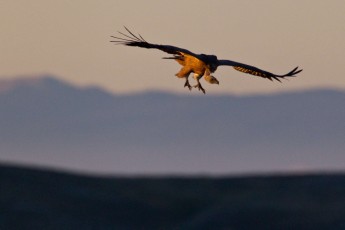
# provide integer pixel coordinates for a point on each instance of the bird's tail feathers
(175, 57)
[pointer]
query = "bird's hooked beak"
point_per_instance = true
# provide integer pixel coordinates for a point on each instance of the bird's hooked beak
(211, 79)
(214, 80)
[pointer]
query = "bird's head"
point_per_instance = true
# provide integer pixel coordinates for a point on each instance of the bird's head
(211, 79)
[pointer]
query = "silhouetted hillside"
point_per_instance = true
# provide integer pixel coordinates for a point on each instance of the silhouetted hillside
(49, 122)
(38, 199)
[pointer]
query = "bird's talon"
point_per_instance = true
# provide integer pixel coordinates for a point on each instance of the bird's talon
(200, 88)
(188, 85)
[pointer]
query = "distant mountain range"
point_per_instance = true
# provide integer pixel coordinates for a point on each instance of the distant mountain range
(48, 122)
(39, 199)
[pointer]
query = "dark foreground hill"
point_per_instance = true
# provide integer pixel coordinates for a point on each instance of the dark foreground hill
(38, 199)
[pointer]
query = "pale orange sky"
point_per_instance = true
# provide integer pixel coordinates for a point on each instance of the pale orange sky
(70, 39)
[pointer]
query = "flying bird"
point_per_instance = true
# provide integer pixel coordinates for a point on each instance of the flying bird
(201, 65)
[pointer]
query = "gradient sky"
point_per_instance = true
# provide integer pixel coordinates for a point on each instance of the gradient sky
(70, 39)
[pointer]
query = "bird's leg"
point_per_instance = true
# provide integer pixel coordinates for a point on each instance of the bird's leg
(186, 84)
(198, 85)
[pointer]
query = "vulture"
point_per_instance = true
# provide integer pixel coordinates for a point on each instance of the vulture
(201, 65)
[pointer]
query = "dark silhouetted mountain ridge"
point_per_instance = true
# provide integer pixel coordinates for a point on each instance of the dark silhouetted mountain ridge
(50, 122)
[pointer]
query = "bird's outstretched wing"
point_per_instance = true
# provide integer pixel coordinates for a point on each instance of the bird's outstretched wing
(131, 39)
(256, 71)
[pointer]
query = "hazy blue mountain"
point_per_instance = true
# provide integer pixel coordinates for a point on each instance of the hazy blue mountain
(49, 122)
(38, 199)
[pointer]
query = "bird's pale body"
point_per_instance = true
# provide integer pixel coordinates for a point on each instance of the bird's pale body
(191, 64)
